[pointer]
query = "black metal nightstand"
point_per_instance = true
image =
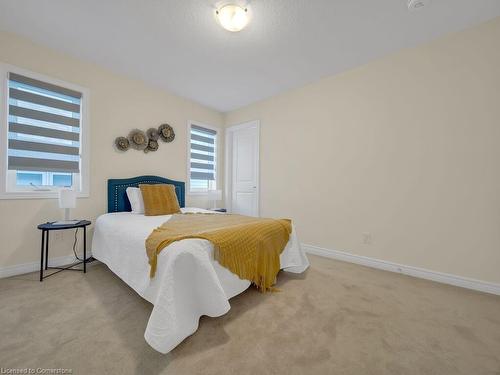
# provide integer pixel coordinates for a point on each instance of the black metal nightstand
(46, 228)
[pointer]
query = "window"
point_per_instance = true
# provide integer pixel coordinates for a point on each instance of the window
(202, 158)
(44, 179)
(44, 136)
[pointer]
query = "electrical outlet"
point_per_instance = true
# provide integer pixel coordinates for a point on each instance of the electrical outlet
(58, 235)
(367, 238)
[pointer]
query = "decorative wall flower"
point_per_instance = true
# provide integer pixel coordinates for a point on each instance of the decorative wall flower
(153, 134)
(138, 139)
(122, 143)
(167, 134)
(152, 146)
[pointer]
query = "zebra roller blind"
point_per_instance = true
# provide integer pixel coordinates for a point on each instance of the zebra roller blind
(44, 126)
(203, 157)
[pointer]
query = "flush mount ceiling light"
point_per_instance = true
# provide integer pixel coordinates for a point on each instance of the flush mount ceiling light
(232, 17)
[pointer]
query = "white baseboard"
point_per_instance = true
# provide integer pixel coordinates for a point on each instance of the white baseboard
(20, 269)
(464, 282)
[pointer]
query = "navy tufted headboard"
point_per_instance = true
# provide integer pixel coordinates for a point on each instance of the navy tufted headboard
(117, 196)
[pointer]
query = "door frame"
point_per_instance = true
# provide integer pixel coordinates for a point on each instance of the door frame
(228, 165)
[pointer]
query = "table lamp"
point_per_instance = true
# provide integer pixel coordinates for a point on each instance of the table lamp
(67, 200)
(214, 196)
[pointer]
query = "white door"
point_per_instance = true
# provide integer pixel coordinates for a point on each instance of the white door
(245, 168)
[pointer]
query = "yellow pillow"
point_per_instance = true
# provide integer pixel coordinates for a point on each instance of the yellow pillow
(159, 199)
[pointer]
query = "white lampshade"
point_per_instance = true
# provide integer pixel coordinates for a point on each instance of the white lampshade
(67, 198)
(215, 195)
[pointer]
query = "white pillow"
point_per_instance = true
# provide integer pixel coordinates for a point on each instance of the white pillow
(136, 202)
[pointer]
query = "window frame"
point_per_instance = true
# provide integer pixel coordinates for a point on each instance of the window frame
(84, 176)
(216, 164)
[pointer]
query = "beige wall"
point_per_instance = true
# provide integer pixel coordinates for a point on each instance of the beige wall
(406, 148)
(117, 105)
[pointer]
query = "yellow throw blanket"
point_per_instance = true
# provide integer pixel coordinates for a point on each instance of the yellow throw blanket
(247, 246)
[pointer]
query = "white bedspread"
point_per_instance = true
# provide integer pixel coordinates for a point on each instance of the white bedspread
(188, 283)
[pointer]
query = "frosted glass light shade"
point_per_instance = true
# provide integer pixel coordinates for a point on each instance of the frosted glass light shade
(232, 17)
(67, 198)
(215, 195)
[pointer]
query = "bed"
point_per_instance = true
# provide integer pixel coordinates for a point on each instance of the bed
(188, 283)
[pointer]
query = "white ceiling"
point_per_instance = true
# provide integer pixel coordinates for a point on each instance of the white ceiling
(177, 45)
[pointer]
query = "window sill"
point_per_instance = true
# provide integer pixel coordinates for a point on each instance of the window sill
(198, 193)
(37, 195)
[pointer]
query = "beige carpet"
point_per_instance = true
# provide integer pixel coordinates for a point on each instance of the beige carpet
(338, 318)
